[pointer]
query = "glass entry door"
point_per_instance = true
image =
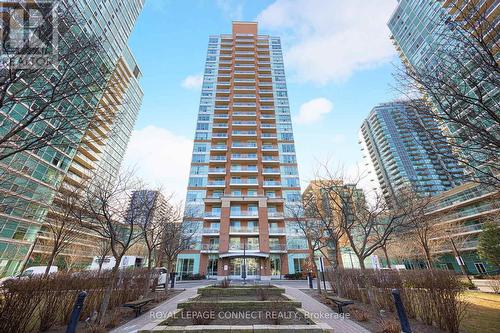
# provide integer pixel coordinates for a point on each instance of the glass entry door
(236, 266)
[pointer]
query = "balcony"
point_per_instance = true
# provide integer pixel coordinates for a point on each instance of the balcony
(244, 170)
(219, 148)
(275, 215)
(244, 123)
(216, 183)
(267, 126)
(244, 145)
(244, 133)
(267, 117)
(219, 135)
(269, 148)
(244, 105)
(212, 215)
(243, 230)
(221, 108)
(236, 88)
(244, 96)
(277, 248)
(244, 182)
(210, 231)
(271, 171)
(270, 159)
(217, 171)
(220, 125)
(244, 72)
(244, 157)
(221, 116)
(269, 136)
(272, 183)
(209, 248)
(267, 107)
(277, 231)
(218, 159)
(240, 247)
(244, 114)
(241, 214)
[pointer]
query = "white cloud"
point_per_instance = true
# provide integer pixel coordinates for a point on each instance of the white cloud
(231, 9)
(161, 158)
(328, 40)
(193, 82)
(313, 111)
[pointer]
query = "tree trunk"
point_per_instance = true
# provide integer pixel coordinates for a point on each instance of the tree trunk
(107, 293)
(386, 257)
(150, 276)
(428, 256)
(361, 262)
(169, 269)
(49, 262)
(100, 267)
(338, 256)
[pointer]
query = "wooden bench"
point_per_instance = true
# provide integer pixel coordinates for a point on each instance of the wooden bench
(138, 305)
(340, 302)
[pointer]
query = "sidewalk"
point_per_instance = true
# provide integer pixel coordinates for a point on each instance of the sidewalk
(147, 317)
(317, 309)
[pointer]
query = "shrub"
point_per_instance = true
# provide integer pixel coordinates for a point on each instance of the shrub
(494, 284)
(294, 276)
(358, 314)
(36, 304)
(225, 283)
(262, 294)
(388, 326)
(190, 276)
(431, 296)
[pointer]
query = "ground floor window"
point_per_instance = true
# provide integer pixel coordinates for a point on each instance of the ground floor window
(212, 266)
(236, 266)
(480, 267)
(275, 266)
(299, 264)
(186, 266)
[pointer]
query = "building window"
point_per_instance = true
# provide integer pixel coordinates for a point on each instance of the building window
(212, 266)
(480, 267)
(299, 264)
(186, 266)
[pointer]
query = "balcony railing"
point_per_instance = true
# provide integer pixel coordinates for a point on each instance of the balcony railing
(245, 133)
(271, 171)
(270, 158)
(243, 156)
(212, 214)
(245, 213)
(272, 183)
(244, 114)
(244, 123)
(277, 231)
(219, 147)
(243, 230)
(269, 147)
(218, 159)
(217, 170)
(240, 247)
(275, 214)
(244, 145)
(244, 182)
(277, 247)
(209, 247)
(219, 135)
(220, 125)
(235, 169)
(211, 231)
(245, 104)
(216, 183)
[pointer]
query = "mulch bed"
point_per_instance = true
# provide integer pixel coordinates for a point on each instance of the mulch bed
(374, 318)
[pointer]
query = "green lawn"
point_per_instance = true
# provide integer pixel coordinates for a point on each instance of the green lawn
(483, 314)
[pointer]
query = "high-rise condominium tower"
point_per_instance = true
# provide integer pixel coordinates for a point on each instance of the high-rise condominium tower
(33, 181)
(402, 156)
(244, 171)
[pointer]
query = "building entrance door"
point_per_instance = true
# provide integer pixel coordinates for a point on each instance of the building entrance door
(236, 266)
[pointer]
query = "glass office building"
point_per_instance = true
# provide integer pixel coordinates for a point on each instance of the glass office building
(244, 171)
(400, 155)
(32, 179)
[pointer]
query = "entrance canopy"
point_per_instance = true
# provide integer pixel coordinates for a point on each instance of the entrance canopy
(240, 255)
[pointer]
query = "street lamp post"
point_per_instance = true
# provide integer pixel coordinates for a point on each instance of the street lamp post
(459, 259)
(244, 270)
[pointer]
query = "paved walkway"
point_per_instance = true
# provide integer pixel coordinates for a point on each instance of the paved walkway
(322, 313)
(318, 311)
(159, 313)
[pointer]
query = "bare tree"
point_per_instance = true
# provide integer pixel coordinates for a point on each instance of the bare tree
(177, 235)
(460, 79)
(53, 106)
(105, 210)
(62, 227)
(103, 250)
(314, 233)
(317, 205)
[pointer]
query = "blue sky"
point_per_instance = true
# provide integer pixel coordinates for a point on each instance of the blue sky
(338, 60)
